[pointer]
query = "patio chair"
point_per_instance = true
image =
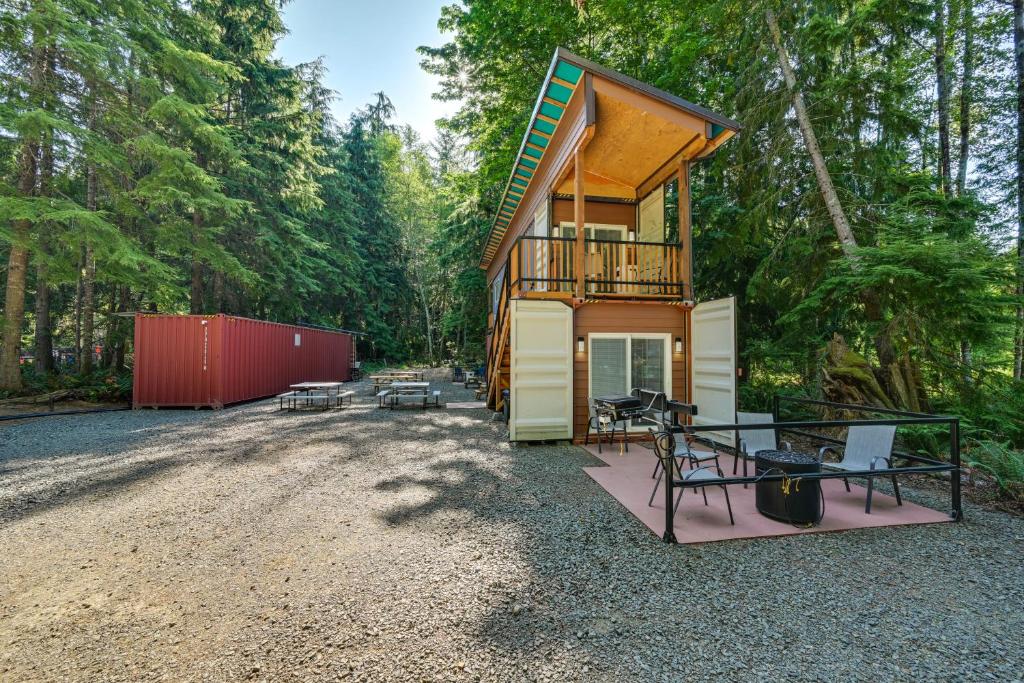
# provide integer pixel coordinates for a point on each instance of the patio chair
(752, 441)
(458, 374)
(867, 447)
(684, 453)
(601, 424)
(697, 478)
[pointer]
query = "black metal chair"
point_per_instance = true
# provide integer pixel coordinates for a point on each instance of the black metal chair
(696, 478)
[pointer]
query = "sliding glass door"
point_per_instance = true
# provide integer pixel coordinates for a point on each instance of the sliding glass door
(622, 362)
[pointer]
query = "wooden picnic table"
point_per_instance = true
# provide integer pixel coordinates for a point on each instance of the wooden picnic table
(420, 390)
(410, 387)
(399, 374)
(314, 386)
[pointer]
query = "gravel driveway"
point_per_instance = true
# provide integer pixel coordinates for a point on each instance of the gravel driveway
(371, 545)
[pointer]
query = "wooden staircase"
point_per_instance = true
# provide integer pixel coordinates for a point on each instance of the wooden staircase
(499, 356)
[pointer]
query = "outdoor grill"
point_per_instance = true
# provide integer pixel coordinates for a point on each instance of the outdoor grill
(620, 407)
(802, 505)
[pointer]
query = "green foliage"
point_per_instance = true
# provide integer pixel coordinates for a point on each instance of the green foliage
(1001, 461)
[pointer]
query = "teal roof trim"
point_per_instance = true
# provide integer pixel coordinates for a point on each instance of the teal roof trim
(535, 141)
(559, 93)
(551, 111)
(544, 127)
(568, 72)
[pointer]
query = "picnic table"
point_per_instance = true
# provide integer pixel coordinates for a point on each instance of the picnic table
(313, 393)
(385, 379)
(415, 390)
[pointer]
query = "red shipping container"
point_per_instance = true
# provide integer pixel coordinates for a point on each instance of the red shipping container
(214, 360)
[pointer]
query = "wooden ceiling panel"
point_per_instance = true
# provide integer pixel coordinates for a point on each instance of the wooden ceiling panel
(630, 144)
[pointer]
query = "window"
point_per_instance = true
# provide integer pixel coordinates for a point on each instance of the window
(622, 362)
(496, 285)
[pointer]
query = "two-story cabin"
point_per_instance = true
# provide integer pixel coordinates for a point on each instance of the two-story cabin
(598, 311)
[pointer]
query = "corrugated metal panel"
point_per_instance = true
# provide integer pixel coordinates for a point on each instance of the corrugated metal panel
(192, 360)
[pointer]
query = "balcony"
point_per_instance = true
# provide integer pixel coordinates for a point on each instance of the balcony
(545, 267)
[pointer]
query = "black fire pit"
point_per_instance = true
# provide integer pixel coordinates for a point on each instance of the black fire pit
(803, 504)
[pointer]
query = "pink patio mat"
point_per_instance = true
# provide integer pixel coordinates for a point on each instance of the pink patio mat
(628, 479)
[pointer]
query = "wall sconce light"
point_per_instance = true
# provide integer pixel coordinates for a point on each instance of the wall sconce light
(581, 345)
(679, 344)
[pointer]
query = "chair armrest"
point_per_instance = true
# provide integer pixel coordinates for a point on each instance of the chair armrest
(887, 460)
(825, 449)
(689, 473)
(706, 441)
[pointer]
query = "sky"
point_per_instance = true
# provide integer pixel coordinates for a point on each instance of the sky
(369, 46)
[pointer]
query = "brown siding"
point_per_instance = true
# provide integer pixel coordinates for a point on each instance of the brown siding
(596, 212)
(625, 318)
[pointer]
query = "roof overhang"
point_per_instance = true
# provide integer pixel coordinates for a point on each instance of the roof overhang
(694, 130)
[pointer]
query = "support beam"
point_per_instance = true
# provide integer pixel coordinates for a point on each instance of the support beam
(579, 202)
(685, 227)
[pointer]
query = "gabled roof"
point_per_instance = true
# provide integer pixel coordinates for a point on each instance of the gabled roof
(563, 77)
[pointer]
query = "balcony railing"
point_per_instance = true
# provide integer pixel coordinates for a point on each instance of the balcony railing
(611, 268)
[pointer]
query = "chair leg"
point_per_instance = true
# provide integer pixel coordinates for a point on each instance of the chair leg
(847, 482)
(736, 462)
(704, 492)
(896, 488)
(728, 505)
(679, 499)
(657, 466)
(657, 483)
(867, 504)
(625, 437)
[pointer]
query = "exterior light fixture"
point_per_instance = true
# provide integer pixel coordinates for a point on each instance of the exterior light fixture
(580, 345)
(679, 344)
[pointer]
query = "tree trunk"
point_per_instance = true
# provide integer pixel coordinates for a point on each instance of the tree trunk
(196, 289)
(85, 364)
(17, 260)
(78, 304)
(966, 87)
(426, 317)
(1018, 56)
(17, 264)
(828, 192)
(218, 292)
(44, 338)
(872, 306)
(942, 91)
(966, 92)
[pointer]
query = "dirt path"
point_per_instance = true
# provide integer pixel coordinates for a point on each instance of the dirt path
(370, 545)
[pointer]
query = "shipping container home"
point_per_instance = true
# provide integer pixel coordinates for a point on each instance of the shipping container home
(214, 360)
(580, 313)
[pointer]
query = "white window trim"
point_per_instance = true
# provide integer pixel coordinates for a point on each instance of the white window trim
(604, 226)
(629, 337)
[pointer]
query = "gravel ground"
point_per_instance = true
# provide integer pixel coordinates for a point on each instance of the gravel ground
(370, 545)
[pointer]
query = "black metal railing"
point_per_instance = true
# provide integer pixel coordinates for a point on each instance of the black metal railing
(919, 463)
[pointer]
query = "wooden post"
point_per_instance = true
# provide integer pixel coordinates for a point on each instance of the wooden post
(685, 230)
(512, 274)
(579, 217)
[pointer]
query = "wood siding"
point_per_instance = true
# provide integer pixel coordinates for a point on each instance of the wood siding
(607, 213)
(636, 318)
